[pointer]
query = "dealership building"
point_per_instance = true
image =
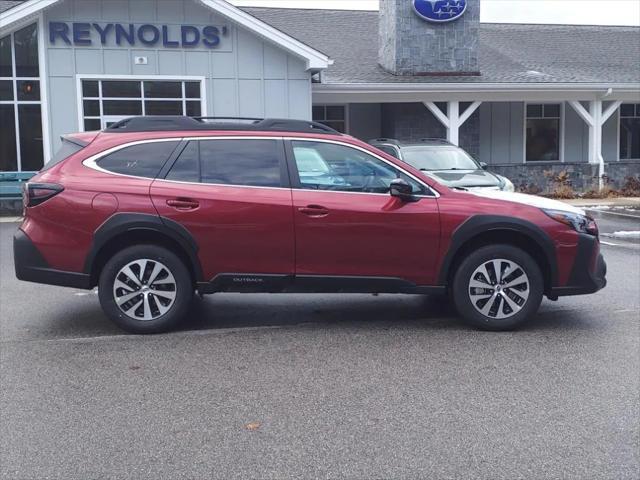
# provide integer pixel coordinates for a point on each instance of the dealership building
(525, 99)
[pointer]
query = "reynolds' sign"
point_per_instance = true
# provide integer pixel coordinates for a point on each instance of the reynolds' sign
(439, 10)
(87, 34)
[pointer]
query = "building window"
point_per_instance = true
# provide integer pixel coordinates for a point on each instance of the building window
(543, 132)
(334, 116)
(21, 146)
(105, 102)
(630, 131)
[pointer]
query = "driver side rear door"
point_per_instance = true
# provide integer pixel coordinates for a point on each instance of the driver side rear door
(346, 223)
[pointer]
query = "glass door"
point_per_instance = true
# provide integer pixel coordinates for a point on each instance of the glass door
(21, 143)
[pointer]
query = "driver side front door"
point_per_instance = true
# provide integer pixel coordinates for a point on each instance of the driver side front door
(347, 224)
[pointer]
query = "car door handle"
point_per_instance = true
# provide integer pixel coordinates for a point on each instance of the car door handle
(183, 203)
(314, 211)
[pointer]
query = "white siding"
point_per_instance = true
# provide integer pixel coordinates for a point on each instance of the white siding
(245, 76)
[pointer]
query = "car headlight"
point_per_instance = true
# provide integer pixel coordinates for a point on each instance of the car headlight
(580, 223)
(507, 185)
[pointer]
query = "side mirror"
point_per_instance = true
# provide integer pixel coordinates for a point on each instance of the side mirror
(401, 189)
(483, 165)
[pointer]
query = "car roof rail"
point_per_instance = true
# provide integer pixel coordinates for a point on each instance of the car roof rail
(156, 123)
(393, 141)
(442, 141)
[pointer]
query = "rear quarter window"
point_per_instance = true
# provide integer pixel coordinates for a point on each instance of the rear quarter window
(143, 160)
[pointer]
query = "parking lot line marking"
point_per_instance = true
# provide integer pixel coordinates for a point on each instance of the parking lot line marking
(609, 243)
(10, 219)
(609, 212)
(126, 337)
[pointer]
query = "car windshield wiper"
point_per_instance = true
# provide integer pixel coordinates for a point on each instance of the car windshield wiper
(460, 188)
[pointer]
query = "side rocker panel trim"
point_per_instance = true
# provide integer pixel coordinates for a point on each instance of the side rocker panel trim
(259, 282)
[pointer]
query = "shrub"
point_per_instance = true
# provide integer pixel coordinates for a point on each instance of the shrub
(606, 192)
(564, 192)
(560, 184)
(529, 188)
(631, 187)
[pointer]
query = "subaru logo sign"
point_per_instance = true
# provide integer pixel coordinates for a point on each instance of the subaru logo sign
(439, 10)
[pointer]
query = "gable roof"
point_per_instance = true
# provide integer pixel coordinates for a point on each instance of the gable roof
(6, 5)
(13, 12)
(508, 53)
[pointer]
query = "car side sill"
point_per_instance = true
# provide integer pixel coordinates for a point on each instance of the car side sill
(273, 283)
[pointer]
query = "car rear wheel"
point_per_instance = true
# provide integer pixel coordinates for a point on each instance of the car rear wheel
(498, 287)
(145, 289)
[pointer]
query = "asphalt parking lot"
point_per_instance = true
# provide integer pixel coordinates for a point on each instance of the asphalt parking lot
(309, 386)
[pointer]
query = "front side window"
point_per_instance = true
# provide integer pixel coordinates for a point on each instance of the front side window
(543, 132)
(241, 162)
(630, 131)
(143, 160)
(328, 166)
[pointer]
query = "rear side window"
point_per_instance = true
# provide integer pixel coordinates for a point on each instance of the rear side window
(187, 166)
(144, 160)
(230, 162)
(65, 151)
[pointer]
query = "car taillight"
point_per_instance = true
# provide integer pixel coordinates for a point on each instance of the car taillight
(37, 193)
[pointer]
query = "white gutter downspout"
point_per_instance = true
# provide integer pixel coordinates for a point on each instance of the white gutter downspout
(596, 118)
(601, 172)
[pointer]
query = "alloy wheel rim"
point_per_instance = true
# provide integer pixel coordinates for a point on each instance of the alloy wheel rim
(499, 288)
(144, 289)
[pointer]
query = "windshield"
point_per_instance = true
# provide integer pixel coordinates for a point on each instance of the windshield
(431, 158)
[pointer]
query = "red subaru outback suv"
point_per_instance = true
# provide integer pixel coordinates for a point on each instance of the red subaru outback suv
(154, 209)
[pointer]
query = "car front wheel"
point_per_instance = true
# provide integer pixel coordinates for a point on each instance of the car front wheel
(145, 289)
(497, 287)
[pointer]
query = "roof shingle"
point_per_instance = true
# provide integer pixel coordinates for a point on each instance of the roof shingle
(9, 4)
(508, 53)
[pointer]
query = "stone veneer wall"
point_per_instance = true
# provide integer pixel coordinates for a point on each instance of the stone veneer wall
(582, 176)
(409, 122)
(409, 45)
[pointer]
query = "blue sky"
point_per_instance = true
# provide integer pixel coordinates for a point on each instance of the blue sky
(589, 12)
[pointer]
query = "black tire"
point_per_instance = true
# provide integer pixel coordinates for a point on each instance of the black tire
(180, 287)
(462, 289)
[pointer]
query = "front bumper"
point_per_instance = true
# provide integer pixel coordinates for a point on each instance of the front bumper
(31, 266)
(589, 271)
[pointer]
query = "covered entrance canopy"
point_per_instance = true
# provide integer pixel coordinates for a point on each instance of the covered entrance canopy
(579, 83)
